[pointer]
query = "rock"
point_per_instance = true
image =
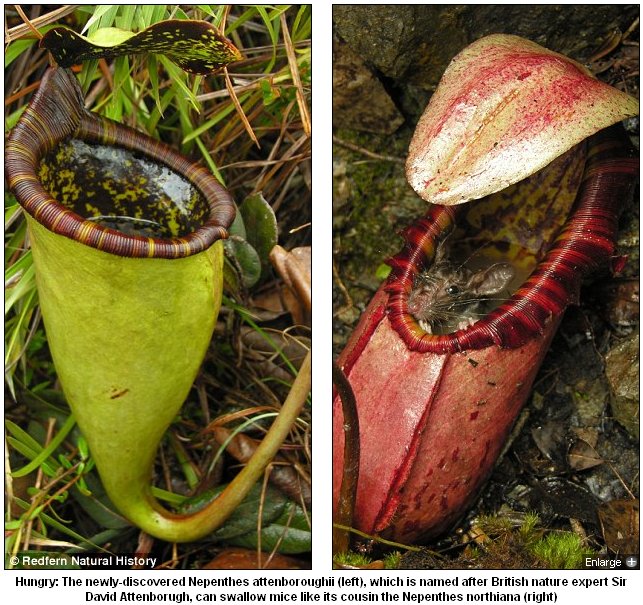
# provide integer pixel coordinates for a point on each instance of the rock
(411, 45)
(622, 370)
(620, 525)
(417, 42)
(359, 98)
(403, 42)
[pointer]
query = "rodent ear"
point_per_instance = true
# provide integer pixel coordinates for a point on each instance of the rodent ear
(492, 280)
(441, 252)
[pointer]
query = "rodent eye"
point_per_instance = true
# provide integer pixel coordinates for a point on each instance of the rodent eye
(453, 290)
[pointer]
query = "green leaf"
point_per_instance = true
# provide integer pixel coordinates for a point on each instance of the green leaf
(145, 16)
(238, 227)
(245, 259)
(285, 525)
(21, 289)
(269, 93)
(103, 14)
(289, 534)
(244, 518)
(273, 31)
(209, 161)
(382, 272)
(50, 521)
(15, 49)
(231, 277)
(24, 437)
(27, 452)
(181, 86)
(46, 452)
(154, 83)
(12, 119)
(98, 506)
(125, 19)
(302, 26)
(218, 117)
(261, 226)
(195, 46)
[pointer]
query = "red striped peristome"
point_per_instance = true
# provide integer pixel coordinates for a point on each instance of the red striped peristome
(585, 243)
(55, 113)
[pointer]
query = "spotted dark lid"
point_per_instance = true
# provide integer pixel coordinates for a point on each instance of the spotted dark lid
(56, 121)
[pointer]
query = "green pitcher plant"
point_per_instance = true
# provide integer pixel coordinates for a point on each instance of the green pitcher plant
(126, 236)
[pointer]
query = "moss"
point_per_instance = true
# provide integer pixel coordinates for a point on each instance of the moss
(372, 203)
(507, 541)
(392, 560)
(351, 559)
(561, 550)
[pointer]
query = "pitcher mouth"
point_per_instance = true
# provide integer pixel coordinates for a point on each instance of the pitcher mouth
(585, 242)
(56, 118)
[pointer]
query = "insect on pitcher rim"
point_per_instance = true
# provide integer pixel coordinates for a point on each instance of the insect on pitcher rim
(56, 114)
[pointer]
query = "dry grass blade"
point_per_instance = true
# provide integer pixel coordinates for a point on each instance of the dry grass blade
(236, 416)
(20, 31)
(288, 159)
(257, 163)
(237, 105)
(51, 543)
(294, 70)
(367, 152)
(8, 482)
(28, 23)
(21, 93)
(224, 18)
(220, 94)
(37, 484)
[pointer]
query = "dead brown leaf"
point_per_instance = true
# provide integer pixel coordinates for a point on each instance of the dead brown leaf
(283, 474)
(620, 524)
(241, 558)
(295, 268)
